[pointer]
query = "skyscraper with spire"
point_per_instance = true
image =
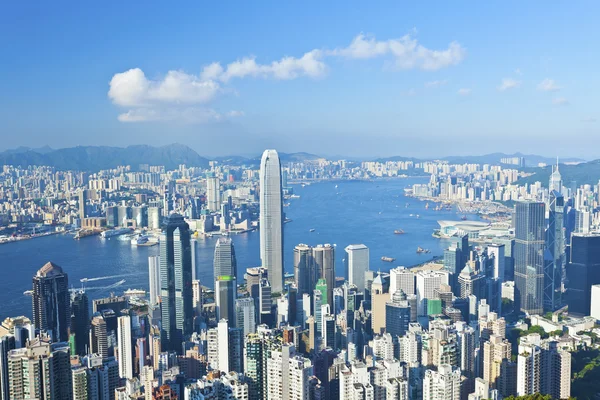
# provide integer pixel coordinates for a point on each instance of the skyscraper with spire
(271, 218)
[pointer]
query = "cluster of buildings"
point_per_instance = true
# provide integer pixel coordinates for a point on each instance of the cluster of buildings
(438, 331)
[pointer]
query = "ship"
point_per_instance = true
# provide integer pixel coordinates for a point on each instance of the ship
(82, 233)
(388, 259)
(421, 250)
(140, 240)
(398, 232)
(463, 218)
(115, 232)
(135, 292)
(426, 205)
(311, 230)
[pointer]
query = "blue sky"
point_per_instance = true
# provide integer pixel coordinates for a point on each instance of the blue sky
(333, 78)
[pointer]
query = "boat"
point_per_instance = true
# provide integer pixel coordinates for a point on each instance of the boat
(294, 196)
(421, 250)
(463, 218)
(115, 232)
(135, 292)
(418, 216)
(311, 230)
(28, 292)
(141, 239)
(426, 205)
(336, 186)
(388, 259)
(398, 232)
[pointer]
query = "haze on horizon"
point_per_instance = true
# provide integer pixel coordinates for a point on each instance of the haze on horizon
(339, 78)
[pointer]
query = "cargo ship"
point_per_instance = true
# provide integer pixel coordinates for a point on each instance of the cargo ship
(388, 259)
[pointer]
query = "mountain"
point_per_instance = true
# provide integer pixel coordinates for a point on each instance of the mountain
(94, 158)
(255, 161)
(588, 172)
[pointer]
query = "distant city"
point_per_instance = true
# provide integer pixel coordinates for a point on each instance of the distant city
(510, 309)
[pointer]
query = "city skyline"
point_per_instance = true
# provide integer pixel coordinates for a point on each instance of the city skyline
(268, 87)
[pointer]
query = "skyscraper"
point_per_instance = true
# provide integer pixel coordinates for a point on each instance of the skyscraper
(50, 300)
(80, 321)
(213, 194)
(98, 337)
(357, 263)
(303, 269)
(583, 271)
(125, 354)
(225, 282)
(271, 218)
(154, 278)
(530, 221)
(245, 314)
(324, 259)
(555, 254)
(443, 384)
(176, 283)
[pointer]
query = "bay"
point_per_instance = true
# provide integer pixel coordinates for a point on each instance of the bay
(341, 213)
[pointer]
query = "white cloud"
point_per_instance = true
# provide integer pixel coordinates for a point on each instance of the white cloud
(132, 88)
(589, 119)
(464, 91)
(310, 64)
(548, 85)
(406, 51)
(186, 115)
(235, 113)
(508, 83)
(435, 84)
(560, 101)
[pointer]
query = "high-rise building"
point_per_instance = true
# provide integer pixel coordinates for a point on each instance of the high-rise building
(271, 218)
(225, 266)
(496, 351)
(7, 343)
(583, 271)
(80, 321)
(98, 337)
(50, 299)
(213, 192)
(245, 314)
(530, 237)
(529, 365)
(176, 283)
(554, 260)
(303, 269)
(426, 283)
(154, 278)
(40, 371)
(265, 303)
(357, 264)
(443, 384)
(397, 314)
(324, 262)
(402, 278)
(125, 352)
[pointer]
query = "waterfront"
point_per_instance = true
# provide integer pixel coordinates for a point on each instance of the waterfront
(341, 213)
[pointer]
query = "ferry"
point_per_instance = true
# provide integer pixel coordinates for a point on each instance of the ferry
(388, 259)
(398, 232)
(141, 239)
(115, 232)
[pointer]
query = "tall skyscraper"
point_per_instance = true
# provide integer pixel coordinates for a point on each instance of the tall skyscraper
(213, 193)
(245, 315)
(324, 259)
(98, 337)
(50, 301)
(303, 269)
(271, 218)
(357, 263)
(125, 354)
(154, 278)
(583, 271)
(530, 238)
(80, 321)
(397, 314)
(177, 307)
(554, 262)
(225, 282)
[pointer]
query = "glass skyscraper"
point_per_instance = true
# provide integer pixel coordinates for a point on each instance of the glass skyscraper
(271, 218)
(555, 254)
(583, 271)
(177, 308)
(51, 302)
(530, 237)
(225, 282)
